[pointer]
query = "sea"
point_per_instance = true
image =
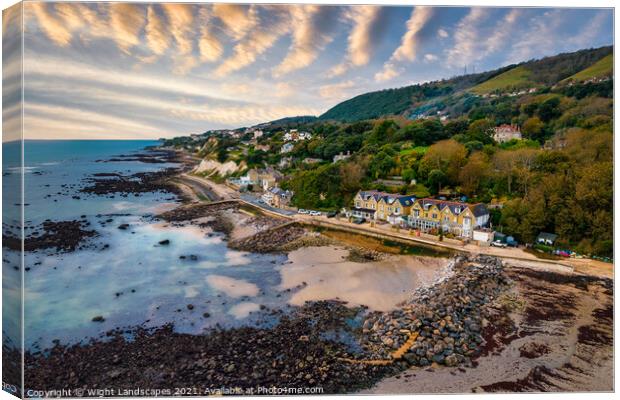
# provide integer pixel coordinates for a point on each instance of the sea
(133, 281)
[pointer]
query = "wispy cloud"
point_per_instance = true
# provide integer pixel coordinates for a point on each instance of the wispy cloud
(238, 19)
(251, 46)
(467, 37)
(368, 28)
(313, 28)
(126, 21)
(157, 36)
(336, 91)
(408, 48)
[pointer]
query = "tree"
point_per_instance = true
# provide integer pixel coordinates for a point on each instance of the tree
(448, 156)
(481, 130)
(473, 173)
(533, 128)
(436, 179)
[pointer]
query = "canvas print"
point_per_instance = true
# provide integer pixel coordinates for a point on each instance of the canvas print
(281, 199)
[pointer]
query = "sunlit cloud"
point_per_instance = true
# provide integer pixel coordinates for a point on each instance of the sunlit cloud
(251, 46)
(209, 45)
(126, 21)
(312, 31)
(53, 27)
(336, 91)
(238, 19)
(368, 28)
(138, 70)
(408, 48)
(157, 36)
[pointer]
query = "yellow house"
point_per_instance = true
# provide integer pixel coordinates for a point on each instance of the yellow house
(448, 216)
(390, 207)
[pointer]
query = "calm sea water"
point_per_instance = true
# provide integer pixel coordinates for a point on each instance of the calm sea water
(133, 280)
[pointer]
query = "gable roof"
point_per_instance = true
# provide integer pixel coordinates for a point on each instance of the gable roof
(547, 236)
(455, 207)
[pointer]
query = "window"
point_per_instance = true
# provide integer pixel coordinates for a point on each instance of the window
(434, 216)
(397, 210)
(416, 213)
(358, 204)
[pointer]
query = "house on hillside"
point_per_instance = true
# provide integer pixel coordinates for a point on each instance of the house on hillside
(546, 238)
(265, 178)
(295, 136)
(505, 132)
(287, 148)
(454, 217)
(341, 156)
(277, 197)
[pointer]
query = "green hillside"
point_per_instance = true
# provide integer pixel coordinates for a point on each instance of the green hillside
(427, 98)
(516, 78)
(602, 68)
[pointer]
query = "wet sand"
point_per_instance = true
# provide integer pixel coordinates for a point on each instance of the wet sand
(379, 285)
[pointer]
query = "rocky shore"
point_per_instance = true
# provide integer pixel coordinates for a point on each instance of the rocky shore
(303, 349)
(135, 184)
(63, 236)
(448, 317)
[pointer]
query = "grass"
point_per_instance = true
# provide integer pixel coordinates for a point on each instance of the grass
(518, 77)
(601, 68)
(418, 149)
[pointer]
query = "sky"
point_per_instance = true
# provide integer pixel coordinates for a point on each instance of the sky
(141, 71)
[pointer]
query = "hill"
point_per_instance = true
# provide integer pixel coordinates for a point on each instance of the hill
(515, 78)
(600, 69)
(408, 100)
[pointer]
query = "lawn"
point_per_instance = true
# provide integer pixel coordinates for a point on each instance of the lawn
(516, 78)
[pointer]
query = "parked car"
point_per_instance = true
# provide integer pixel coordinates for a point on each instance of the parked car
(315, 213)
(499, 243)
(331, 214)
(359, 221)
(302, 211)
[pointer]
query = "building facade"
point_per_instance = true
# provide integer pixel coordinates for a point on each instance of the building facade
(453, 217)
(505, 132)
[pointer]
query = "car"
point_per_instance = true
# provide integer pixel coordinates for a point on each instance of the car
(499, 243)
(302, 211)
(331, 214)
(315, 213)
(359, 221)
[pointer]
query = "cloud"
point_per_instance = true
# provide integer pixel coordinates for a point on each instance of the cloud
(312, 32)
(430, 57)
(467, 37)
(368, 29)
(209, 45)
(41, 121)
(238, 19)
(442, 33)
(53, 28)
(336, 91)
(126, 21)
(157, 37)
(408, 48)
(540, 37)
(251, 46)
(180, 24)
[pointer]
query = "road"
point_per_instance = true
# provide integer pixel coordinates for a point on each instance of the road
(224, 192)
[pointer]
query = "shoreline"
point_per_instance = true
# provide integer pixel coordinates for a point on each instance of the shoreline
(453, 335)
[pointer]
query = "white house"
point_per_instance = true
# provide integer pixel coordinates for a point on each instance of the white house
(287, 148)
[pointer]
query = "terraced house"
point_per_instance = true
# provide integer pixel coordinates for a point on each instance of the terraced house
(394, 208)
(382, 206)
(453, 217)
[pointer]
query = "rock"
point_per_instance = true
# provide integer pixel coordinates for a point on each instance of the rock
(164, 242)
(190, 306)
(451, 360)
(123, 227)
(98, 318)
(206, 315)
